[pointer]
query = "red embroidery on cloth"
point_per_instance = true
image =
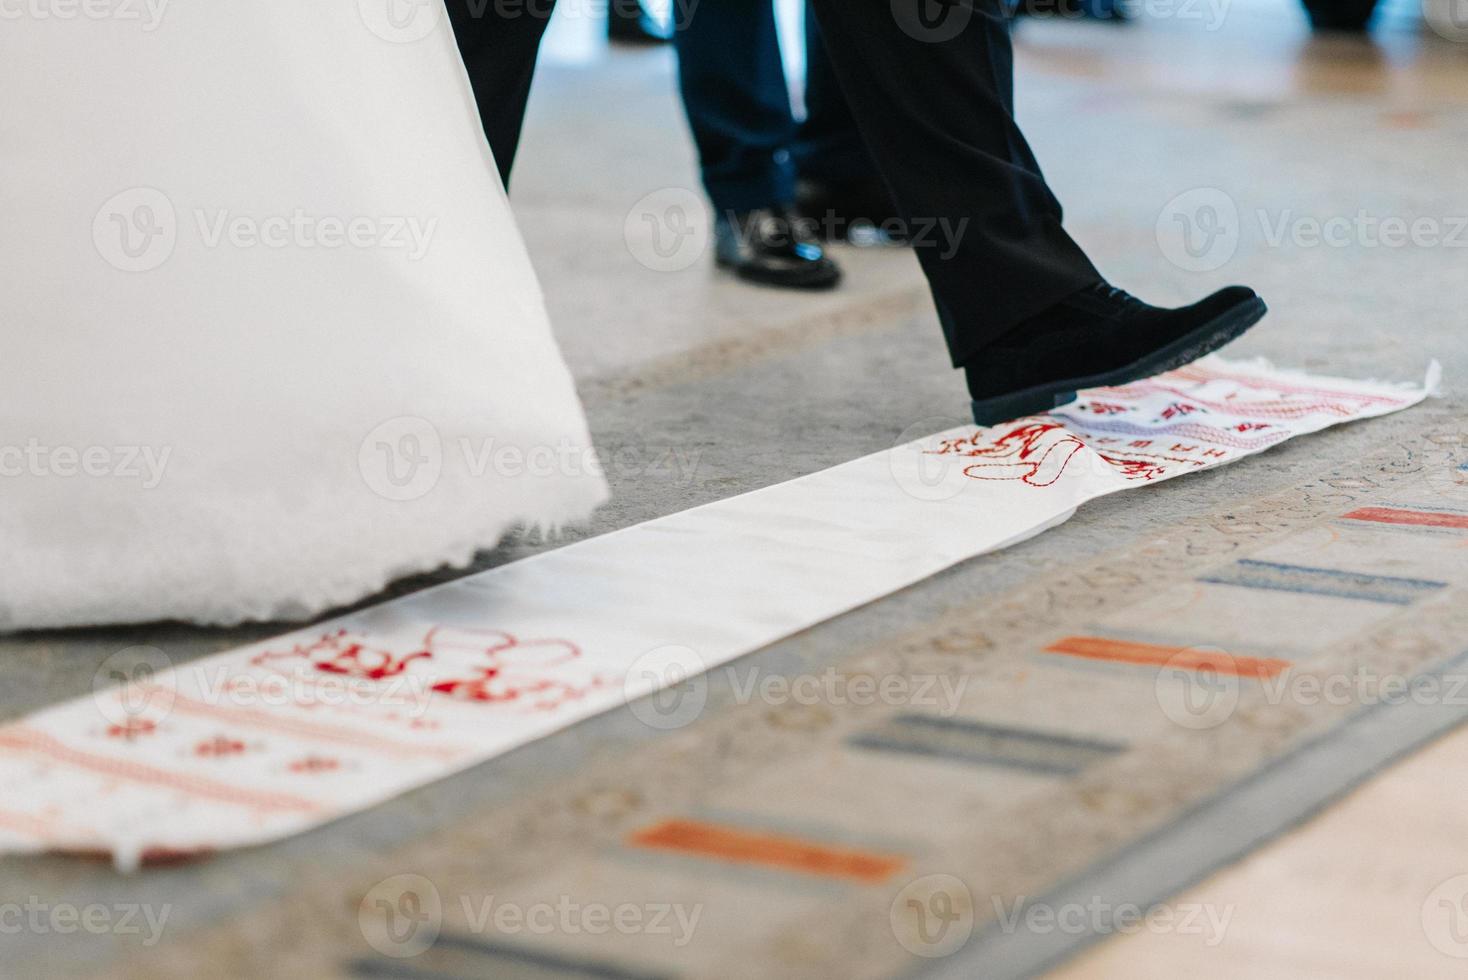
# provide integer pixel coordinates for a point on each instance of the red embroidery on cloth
(132, 729)
(313, 764)
(1037, 454)
(481, 665)
(345, 655)
(515, 671)
(219, 746)
(1022, 453)
(1137, 469)
(1106, 408)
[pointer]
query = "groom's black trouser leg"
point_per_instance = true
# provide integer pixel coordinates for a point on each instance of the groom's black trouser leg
(931, 85)
(498, 42)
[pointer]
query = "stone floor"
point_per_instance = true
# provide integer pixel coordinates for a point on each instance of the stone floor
(699, 388)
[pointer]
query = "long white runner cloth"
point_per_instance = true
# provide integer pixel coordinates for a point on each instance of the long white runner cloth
(267, 740)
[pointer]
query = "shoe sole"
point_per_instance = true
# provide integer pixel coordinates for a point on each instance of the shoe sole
(774, 281)
(1221, 330)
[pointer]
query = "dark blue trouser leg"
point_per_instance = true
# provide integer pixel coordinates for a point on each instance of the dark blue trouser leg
(828, 147)
(737, 101)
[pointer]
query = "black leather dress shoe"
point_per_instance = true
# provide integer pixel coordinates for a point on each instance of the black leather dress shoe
(860, 212)
(768, 246)
(1096, 337)
(629, 23)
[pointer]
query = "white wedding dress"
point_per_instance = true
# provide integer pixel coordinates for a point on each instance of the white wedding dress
(270, 335)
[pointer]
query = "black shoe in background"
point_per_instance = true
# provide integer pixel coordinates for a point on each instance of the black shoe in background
(1096, 337)
(629, 23)
(860, 212)
(769, 246)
